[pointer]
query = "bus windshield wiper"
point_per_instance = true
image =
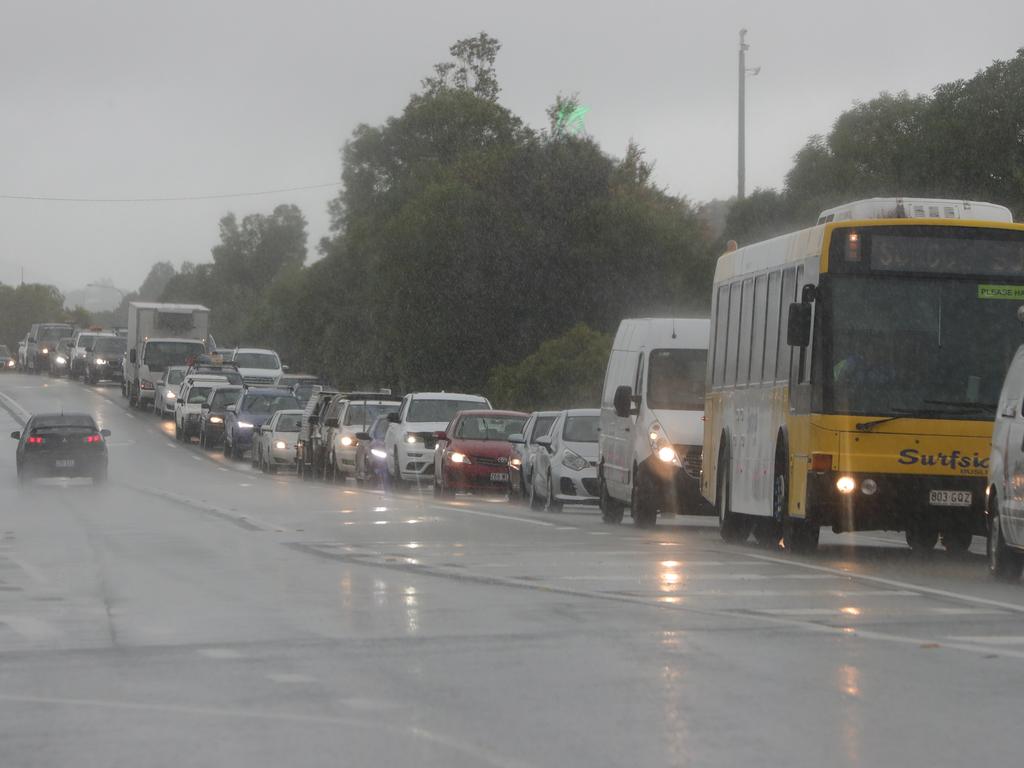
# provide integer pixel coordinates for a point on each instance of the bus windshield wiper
(961, 409)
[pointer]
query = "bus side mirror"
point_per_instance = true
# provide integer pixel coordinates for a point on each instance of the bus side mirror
(133, 356)
(623, 401)
(798, 332)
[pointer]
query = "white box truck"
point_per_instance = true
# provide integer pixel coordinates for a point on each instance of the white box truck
(160, 335)
(652, 409)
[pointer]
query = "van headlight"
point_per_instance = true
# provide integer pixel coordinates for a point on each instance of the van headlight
(660, 445)
(346, 441)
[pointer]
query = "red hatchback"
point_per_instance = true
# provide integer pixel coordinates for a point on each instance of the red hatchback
(473, 453)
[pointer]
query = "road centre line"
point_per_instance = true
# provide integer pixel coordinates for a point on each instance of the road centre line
(14, 408)
(894, 583)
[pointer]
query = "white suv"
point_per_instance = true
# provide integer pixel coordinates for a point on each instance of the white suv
(410, 439)
(1005, 490)
(189, 404)
(259, 367)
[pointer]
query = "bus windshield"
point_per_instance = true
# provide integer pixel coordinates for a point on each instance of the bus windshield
(891, 344)
(675, 379)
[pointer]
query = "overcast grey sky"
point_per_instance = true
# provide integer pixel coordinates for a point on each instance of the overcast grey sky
(138, 99)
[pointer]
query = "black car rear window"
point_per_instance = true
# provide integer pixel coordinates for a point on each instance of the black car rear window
(47, 421)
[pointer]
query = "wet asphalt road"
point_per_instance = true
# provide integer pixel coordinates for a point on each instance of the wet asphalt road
(193, 612)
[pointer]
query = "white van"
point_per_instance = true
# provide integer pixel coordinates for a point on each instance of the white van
(652, 409)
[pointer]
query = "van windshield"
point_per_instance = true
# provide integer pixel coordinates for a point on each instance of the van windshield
(675, 379)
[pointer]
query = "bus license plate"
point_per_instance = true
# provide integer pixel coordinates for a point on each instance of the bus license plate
(949, 498)
(499, 477)
(65, 463)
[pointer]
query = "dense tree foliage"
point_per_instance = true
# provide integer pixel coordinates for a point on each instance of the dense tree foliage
(964, 141)
(565, 372)
(25, 304)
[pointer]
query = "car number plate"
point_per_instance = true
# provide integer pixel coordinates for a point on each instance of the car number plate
(949, 498)
(65, 463)
(499, 477)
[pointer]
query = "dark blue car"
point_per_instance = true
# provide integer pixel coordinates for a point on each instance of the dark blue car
(255, 407)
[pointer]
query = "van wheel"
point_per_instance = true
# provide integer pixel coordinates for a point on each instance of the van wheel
(732, 527)
(611, 510)
(1003, 563)
(641, 505)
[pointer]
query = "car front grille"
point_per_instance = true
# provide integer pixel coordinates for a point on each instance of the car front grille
(254, 380)
(488, 461)
(590, 485)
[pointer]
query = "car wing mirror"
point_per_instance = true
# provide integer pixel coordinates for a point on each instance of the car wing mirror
(517, 438)
(204, 407)
(105, 432)
(441, 435)
(394, 419)
(331, 423)
(231, 409)
(363, 436)
(16, 435)
(544, 442)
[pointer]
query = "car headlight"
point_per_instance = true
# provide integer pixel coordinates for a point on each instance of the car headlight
(280, 445)
(45, 351)
(410, 439)
(379, 453)
(460, 458)
(573, 460)
(660, 445)
(347, 441)
(100, 361)
(10, 363)
(61, 360)
(216, 420)
(171, 396)
(515, 461)
(245, 425)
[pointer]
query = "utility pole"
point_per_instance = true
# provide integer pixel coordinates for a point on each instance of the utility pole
(742, 164)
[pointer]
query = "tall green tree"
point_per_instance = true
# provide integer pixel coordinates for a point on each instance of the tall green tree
(25, 304)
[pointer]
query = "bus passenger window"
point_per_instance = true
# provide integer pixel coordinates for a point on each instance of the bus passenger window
(734, 333)
(758, 340)
(788, 297)
(771, 334)
(721, 334)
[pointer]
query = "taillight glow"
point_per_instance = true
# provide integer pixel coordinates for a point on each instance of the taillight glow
(93, 439)
(35, 440)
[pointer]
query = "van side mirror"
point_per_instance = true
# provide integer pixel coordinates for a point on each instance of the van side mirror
(331, 423)
(623, 401)
(133, 356)
(798, 331)
(545, 442)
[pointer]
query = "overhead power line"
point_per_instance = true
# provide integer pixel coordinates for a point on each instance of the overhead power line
(184, 198)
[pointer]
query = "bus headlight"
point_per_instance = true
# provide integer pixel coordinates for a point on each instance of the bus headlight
(846, 484)
(667, 454)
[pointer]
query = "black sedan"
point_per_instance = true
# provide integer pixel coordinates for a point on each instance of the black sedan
(61, 445)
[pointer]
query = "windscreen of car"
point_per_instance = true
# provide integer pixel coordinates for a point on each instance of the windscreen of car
(364, 413)
(489, 427)
(198, 395)
(580, 429)
(158, 355)
(85, 339)
(439, 410)
(266, 404)
(263, 360)
(54, 333)
(222, 398)
(379, 429)
(290, 422)
(109, 345)
(675, 379)
(541, 427)
(51, 421)
(176, 376)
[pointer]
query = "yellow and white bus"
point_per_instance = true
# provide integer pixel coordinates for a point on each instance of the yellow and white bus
(854, 369)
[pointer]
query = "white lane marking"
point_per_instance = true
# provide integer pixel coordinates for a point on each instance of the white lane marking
(290, 677)
(566, 528)
(600, 533)
(245, 485)
(197, 458)
(223, 469)
(221, 653)
(492, 514)
(801, 611)
(849, 594)
(967, 611)
(893, 583)
(989, 639)
(15, 406)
